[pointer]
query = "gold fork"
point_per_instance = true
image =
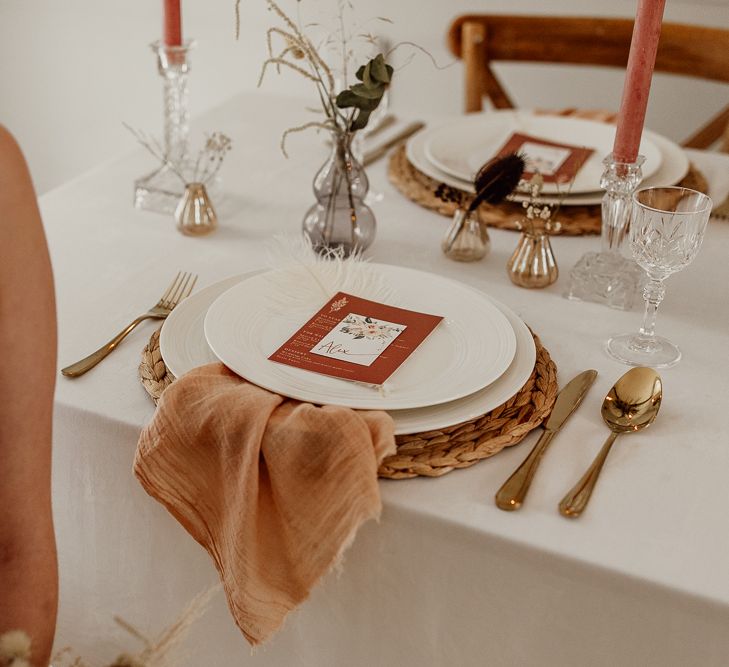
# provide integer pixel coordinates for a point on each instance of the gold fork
(180, 288)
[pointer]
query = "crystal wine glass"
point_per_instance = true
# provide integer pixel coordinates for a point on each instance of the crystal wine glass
(666, 231)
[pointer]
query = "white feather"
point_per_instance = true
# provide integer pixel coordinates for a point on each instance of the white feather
(305, 279)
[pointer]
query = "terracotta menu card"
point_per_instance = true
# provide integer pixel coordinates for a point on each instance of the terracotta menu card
(356, 339)
(557, 163)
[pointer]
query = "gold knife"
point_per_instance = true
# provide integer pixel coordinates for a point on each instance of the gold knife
(388, 121)
(381, 151)
(511, 495)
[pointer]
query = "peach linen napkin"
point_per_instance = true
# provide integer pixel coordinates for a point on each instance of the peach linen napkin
(274, 489)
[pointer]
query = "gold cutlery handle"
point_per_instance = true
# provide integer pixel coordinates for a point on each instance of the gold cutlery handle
(87, 363)
(574, 503)
(513, 491)
(401, 136)
(386, 122)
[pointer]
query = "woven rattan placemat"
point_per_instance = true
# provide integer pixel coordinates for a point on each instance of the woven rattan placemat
(575, 220)
(433, 453)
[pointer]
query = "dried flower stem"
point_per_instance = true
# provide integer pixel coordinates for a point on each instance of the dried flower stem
(301, 128)
(154, 148)
(283, 61)
(417, 47)
(209, 159)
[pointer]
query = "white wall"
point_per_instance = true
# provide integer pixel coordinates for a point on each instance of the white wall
(72, 70)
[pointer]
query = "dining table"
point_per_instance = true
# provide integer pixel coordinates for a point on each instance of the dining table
(444, 577)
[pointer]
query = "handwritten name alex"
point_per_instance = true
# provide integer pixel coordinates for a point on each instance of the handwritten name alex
(332, 348)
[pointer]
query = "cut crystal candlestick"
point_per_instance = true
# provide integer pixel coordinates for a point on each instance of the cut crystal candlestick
(162, 189)
(608, 276)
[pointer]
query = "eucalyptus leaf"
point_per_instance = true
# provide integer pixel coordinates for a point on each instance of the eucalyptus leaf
(365, 97)
(361, 119)
(367, 74)
(378, 69)
(368, 92)
(347, 99)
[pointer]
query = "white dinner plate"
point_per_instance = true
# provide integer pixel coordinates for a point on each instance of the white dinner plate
(182, 341)
(674, 166)
(183, 347)
(461, 146)
(473, 345)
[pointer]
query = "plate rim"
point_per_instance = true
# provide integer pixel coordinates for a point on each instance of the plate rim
(180, 310)
(474, 118)
(370, 403)
(397, 418)
(668, 147)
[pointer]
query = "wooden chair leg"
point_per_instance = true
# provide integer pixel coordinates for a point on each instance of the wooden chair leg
(717, 128)
(474, 37)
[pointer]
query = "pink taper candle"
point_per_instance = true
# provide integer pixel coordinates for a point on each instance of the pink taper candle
(172, 23)
(641, 61)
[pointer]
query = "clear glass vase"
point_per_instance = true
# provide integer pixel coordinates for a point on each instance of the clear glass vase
(340, 220)
(467, 239)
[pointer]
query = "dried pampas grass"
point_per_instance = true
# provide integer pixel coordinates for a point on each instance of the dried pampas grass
(15, 649)
(159, 652)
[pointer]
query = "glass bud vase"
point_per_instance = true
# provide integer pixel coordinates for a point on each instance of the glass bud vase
(533, 263)
(340, 220)
(195, 214)
(467, 239)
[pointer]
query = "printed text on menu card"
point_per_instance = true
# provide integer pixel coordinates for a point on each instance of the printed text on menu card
(356, 339)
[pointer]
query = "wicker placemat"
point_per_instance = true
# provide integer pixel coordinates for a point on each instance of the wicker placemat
(433, 453)
(575, 220)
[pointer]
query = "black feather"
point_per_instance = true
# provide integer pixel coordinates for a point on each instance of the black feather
(497, 179)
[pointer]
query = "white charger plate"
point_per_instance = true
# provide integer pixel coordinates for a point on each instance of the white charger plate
(461, 146)
(674, 166)
(469, 349)
(183, 347)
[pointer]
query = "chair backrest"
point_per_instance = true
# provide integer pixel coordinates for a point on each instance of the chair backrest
(687, 50)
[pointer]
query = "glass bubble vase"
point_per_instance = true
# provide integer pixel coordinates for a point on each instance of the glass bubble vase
(340, 221)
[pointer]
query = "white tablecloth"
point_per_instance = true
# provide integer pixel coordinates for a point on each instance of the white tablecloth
(445, 577)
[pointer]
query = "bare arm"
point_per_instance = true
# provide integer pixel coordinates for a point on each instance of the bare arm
(28, 571)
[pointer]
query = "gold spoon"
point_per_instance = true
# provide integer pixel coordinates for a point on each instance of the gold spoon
(631, 405)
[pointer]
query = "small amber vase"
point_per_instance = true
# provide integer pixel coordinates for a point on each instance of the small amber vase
(195, 214)
(533, 263)
(467, 238)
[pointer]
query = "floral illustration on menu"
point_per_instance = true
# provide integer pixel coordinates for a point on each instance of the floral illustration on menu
(358, 339)
(360, 326)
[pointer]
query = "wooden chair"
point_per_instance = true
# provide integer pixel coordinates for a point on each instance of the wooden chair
(689, 50)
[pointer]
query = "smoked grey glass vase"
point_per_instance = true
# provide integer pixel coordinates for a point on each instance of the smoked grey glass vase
(340, 221)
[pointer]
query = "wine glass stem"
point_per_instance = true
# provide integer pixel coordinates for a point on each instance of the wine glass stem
(653, 294)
